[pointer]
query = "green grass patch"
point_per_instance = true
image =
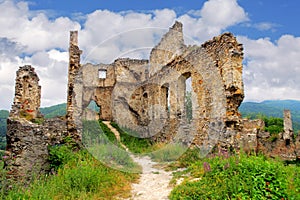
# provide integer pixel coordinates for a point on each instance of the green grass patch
(102, 144)
(239, 177)
(110, 135)
(77, 176)
(132, 140)
(168, 152)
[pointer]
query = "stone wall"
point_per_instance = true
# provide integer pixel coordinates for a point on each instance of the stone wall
(27, 146)
(74, 124)
(148, 96)
(27, 94)
(28, 134)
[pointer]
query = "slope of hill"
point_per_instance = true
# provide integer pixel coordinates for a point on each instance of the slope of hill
(273, 108)
(53, 111)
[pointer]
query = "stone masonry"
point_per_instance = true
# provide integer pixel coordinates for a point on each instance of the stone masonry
(28, 134)
(148, 97)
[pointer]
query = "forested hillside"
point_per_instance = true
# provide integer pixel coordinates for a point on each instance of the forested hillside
(272, 109)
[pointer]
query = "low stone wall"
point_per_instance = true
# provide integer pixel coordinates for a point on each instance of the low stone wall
(27, 146)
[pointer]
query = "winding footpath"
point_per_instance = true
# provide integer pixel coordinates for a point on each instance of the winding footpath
(154, 181)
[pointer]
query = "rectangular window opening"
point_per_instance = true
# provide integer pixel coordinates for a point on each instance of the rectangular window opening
(102, 73)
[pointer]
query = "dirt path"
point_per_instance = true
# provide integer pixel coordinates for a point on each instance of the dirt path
(154, 181)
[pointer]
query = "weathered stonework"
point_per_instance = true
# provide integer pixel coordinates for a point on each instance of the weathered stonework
(28, 134)
(148, 96)
(27, 94)
(73, 121)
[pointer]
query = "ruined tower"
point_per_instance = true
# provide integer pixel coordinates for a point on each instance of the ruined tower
(27, 94)
(287, 125)
(73, 125)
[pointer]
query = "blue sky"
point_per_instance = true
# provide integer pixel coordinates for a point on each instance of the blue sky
(36, 32)
(283, 14)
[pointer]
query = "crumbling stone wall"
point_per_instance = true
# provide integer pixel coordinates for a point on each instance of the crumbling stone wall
(73, 115)
(28, 133)
(148, 96)
(27, 94)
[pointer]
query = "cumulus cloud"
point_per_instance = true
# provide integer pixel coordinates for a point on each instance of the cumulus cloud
(272, 69)
(35, 31)
(36, 38)
(213, 18)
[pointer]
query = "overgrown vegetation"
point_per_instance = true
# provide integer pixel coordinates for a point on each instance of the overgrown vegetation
(74, 176)
(238, 177)
(132, 141)
(3, 117)
(102, 144)
(273, 125)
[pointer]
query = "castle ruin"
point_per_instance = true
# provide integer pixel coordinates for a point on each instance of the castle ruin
(147, 96)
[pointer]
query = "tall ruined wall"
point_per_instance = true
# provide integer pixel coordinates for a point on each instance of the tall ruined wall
(227, 54)
(28, 134)
(74, 94)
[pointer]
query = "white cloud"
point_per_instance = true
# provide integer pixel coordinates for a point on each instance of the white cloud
(36, 38)
(272, 69)
(33, 30)
(214, 17)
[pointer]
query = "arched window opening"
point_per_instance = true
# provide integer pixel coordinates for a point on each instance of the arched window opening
(92, 111)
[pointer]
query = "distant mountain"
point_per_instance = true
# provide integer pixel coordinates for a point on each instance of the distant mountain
(53, 111)
(272, 108)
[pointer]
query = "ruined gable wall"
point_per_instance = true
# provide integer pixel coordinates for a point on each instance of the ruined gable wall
(170, 46)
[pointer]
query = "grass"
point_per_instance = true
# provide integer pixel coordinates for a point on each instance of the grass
(168, 152)
(238, 177)
(99, 171)
(78, 176)
(103, 145)
(132, 141)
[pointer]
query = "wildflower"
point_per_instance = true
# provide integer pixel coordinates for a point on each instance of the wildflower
(206, 167)
(4, 157)
(226, 166)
